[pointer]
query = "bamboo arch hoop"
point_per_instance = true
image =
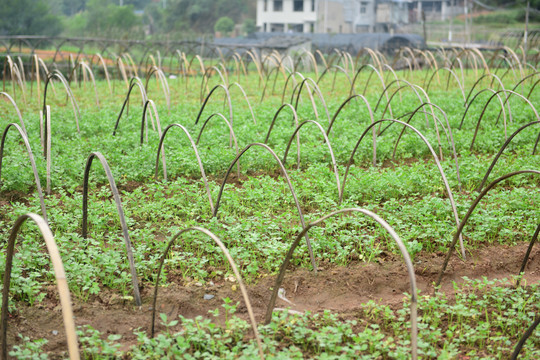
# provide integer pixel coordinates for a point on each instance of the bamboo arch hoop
(119, 209)
(317, 91)
(245, 98)
(194, 147)
(506, 143)
(57, 74)
(228, 96)
(326, 140)
(435, 158)
(525, 336)
(287, 179)
(395, 237)
(295, 123)
(224, 250)
(14, 104)
(61, 283)
(32, 162)
(85, 69)
(469, 213)
(366, 102)
(135, 81)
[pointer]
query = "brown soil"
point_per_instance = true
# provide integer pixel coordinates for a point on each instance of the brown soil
(47, 55)
(339, 289)
(11, 196)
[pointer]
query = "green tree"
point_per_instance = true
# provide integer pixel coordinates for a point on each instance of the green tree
(106, 19)
(249, 26)
(28, 17)
(230, 8)
(97, 16)
(200, 16)
(224, 25)
(72, 7)
(154, 18)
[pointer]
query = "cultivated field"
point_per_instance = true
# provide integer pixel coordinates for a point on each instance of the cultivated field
(327, 195)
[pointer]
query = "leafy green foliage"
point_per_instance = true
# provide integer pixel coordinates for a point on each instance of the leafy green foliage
(258, 219)
(28, 17)
(224, 25)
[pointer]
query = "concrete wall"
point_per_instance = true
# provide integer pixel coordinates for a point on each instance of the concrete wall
(288, 17)
(334, 20)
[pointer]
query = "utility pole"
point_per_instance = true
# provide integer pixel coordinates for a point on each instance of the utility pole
(325, 16)
(466, 10)
(424, 25)
(452, 4)
(526, 32)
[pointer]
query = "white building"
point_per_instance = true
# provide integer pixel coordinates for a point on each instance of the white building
(347, 16)
(320, 16)
(286, 15)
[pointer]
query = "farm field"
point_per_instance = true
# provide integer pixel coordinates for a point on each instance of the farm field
(393, 214)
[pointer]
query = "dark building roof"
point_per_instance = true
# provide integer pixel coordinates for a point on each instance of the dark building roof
(327, 42)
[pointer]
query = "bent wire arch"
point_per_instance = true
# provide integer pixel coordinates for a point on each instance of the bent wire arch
(433, 154)
(469, 105)
(232, 136)
(135, 81)
(502, 107)
(370, 116)
(295, 118)
(317, 90)
(235, 271)
(32, 162)
(450, 72)
(74, 105)
(287, 179)
(61, 283)
(525, 336)
(10, 99)
(85, 69)
(144, 121)
(326, 140)
(245, 98)
(337, 69)
(450, 137)
(120, 211)
(203, 174)
(228, 95)
(469, 213)
(393, 234)
(407, 85)
(506, 143)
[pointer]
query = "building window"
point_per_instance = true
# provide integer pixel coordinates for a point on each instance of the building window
(278, 5)
(312, 6)
(297, 28)
(265, 5)
(363, 8)
(298, 5)
(277, 27)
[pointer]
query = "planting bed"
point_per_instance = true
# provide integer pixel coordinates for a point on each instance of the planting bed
(357, 303)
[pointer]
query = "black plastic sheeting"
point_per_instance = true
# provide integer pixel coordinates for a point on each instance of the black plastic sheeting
(326, 42)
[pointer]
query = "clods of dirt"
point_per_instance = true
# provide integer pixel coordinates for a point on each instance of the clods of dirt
(339, 289)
